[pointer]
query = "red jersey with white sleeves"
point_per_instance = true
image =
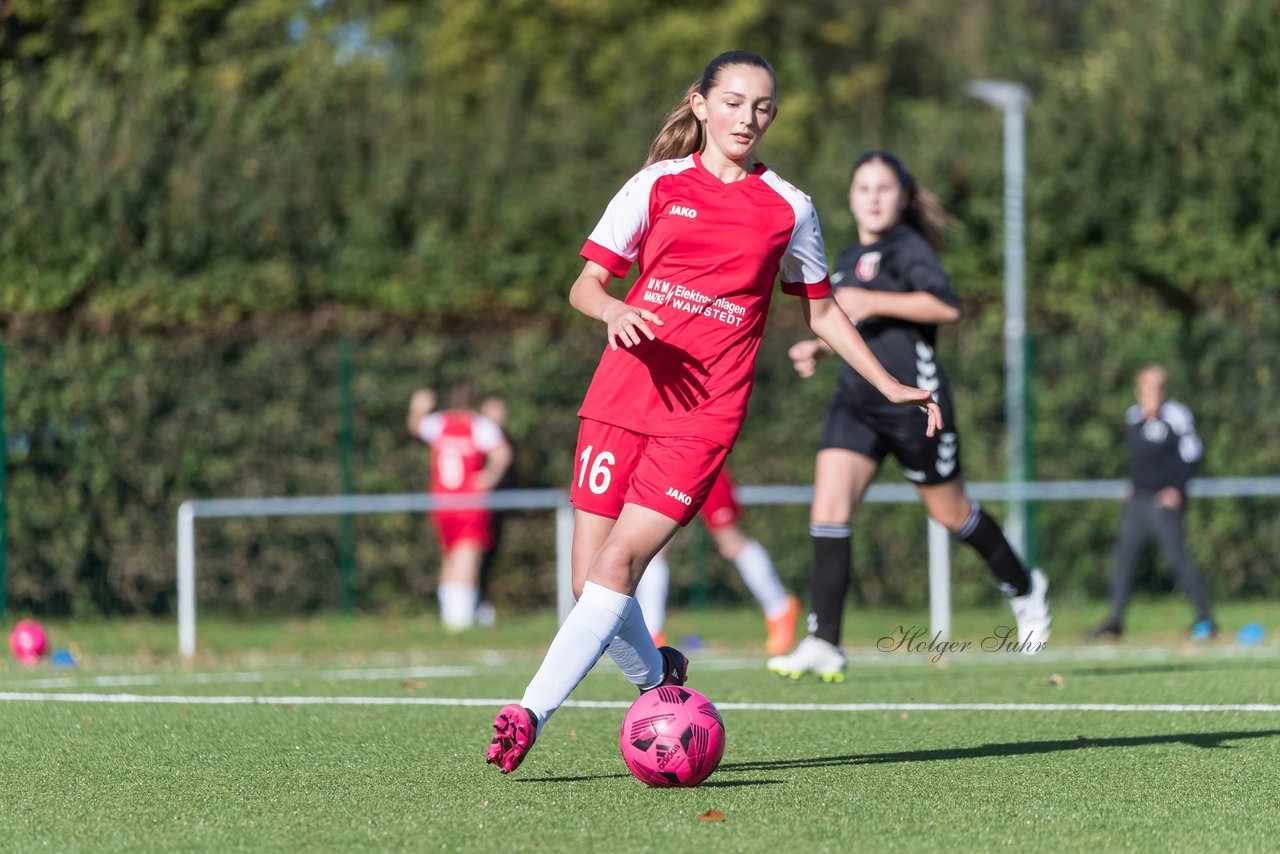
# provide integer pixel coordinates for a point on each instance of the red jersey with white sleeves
(460, 442)
(709, 254)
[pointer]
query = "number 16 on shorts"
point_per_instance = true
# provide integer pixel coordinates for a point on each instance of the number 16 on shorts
(671, 475)
(605, 460)
(601, 474)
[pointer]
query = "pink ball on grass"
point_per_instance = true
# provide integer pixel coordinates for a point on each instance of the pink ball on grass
(28, 641)
(672, 736)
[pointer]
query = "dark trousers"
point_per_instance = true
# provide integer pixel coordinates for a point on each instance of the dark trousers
(1142, 522)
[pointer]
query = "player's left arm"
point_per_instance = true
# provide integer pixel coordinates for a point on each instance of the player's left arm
(914, 306)
(832, 325)
(496, 462)
(930, 298)
(1190, 452)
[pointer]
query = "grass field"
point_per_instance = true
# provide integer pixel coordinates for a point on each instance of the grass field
(368, 733)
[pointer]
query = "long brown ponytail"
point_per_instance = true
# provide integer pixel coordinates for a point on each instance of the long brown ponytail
(924, 212)
(681, 132)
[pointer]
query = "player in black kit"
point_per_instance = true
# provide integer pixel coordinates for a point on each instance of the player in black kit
(891, 285)
(1164, 451)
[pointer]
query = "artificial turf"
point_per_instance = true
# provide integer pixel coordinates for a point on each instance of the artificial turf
(366, 741)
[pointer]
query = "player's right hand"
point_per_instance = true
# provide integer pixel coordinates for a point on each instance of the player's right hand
(423, 400)
(905, 395)
(804, 356)
(626, 323)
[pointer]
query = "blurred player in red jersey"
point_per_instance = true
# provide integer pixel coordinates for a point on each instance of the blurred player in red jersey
(469, 454)
(713, 229)
(721, 514)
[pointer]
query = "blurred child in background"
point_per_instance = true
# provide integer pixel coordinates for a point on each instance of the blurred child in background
(469, 454)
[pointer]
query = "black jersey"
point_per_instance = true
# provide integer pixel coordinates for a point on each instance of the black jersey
(899, 262)
(1163, 451)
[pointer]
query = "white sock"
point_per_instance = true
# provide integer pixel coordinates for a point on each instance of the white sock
(633, 650)
(651, 593)
(575, 649)
(457, 604)
(761, 578)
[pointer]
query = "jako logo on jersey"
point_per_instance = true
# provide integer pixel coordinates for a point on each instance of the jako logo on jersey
(672, 492)
(868, 267)
(680, 210)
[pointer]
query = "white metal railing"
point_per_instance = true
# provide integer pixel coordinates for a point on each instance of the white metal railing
(344, 505)
(558, 500)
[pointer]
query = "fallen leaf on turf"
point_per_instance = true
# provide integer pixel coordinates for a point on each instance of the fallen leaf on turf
(711, 815)
(413, 685)
(904, 716)
(573, 735)
(1057, 680)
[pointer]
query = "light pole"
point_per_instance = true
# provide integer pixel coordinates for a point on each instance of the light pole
(1012, 99)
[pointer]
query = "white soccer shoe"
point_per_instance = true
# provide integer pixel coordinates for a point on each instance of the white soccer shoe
(811, 655)
(1032, 613)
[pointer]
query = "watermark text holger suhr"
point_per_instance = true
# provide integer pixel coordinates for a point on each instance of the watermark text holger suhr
(914, 639)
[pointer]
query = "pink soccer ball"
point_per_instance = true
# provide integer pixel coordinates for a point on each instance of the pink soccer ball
(28, 641)
(672, 736)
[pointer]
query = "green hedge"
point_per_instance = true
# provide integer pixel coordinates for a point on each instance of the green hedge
(108, 434)
(198, 201)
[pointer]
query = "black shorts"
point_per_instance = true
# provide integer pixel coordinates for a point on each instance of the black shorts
(875, 431)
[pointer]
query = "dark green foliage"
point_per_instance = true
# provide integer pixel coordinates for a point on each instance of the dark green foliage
(199, 200)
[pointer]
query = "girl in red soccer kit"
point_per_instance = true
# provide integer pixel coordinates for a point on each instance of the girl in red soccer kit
(712, 229)
(469, 454)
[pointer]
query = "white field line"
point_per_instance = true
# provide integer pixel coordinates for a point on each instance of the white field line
(350, 674)
(126, 699)
(701, 662)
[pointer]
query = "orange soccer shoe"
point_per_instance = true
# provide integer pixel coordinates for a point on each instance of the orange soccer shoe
(782, 628)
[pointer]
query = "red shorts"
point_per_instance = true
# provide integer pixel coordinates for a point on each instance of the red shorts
(463, 526)
(721, 509)
(614, 466)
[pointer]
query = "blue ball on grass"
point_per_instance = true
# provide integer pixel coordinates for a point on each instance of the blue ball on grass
(1250, 634)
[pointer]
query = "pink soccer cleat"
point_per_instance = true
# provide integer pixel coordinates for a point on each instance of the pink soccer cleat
(515, 729)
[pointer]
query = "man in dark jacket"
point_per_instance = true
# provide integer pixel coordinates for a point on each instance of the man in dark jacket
(1164, 451)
